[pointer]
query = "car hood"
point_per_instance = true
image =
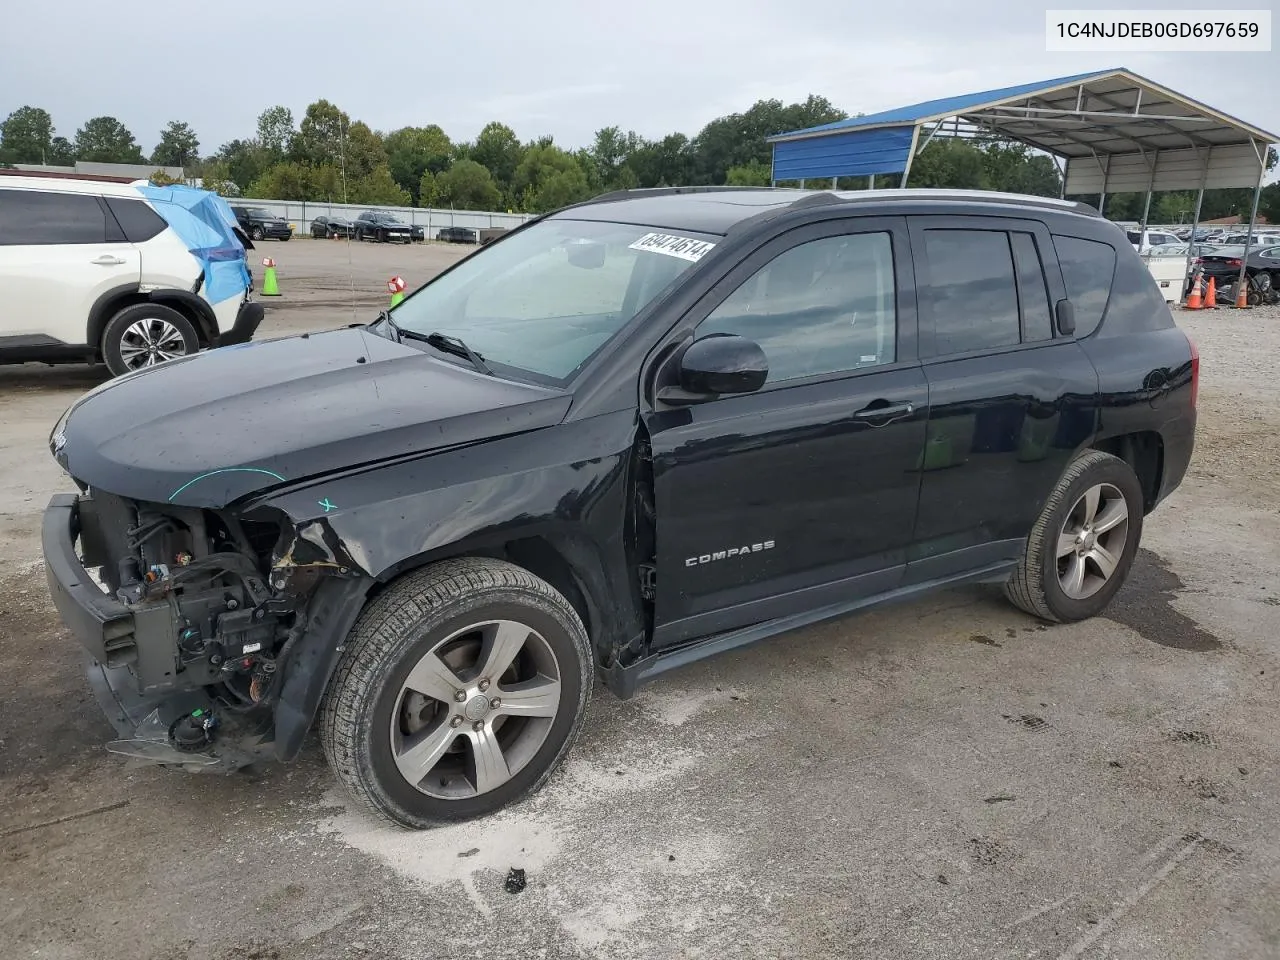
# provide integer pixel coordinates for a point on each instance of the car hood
(212, 428)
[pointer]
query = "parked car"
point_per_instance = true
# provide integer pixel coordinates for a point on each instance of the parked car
(261, 224)
(93, 272)
(1262, 269)
(456, 235)
(381, 227)
(326, 228)
(765, 410)
(1144, 240)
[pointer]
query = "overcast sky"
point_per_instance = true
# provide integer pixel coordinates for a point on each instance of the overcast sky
(561, 67)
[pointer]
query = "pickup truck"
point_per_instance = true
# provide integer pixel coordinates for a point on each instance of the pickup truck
(636, 432)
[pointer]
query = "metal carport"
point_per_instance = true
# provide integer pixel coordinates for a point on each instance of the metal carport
(1112, 131)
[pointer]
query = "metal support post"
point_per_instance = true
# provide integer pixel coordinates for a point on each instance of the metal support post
(1253, 215)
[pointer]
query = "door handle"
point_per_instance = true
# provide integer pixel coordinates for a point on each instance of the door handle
(882, 412)
(107, 260)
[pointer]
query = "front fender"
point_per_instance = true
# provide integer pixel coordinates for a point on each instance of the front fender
(566, 486)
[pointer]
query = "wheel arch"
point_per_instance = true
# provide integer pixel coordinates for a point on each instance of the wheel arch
(1143, 451)
(107, 306)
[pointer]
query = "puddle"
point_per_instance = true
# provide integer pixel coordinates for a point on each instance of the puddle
(1145, 605)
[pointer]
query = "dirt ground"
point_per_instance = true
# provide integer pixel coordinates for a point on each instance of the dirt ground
(945, 779)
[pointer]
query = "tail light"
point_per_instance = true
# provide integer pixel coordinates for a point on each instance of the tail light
(1233, 264)
(1195, 372)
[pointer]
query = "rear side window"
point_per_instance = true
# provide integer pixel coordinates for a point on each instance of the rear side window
(1137, 305)
(1087, 270)
(138, 221)
(971, 290)
(33, 217)
(1033, 293)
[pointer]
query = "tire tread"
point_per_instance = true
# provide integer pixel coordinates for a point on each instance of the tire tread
(370, 650)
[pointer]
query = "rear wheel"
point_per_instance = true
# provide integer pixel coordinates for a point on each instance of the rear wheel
(256, 233)
(1082, 546)
(144, 335)
(460, 689)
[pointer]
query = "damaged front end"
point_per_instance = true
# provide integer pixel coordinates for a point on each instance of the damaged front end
(206, 630)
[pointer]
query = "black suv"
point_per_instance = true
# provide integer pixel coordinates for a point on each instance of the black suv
(625, 436)
(260, 223)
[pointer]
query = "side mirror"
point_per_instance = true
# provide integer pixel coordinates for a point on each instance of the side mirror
(1066, 317)
(716, 365)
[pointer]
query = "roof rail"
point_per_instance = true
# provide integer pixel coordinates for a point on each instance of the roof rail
(970, 196)
(667, 192)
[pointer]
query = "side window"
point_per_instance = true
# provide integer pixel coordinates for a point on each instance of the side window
(38, 218)
(1033, 292)
(971, 290)
(138, 221)
(1087, 269)
(825, 306)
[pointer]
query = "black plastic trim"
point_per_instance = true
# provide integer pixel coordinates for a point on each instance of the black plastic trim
(206, 321)
(248, 317)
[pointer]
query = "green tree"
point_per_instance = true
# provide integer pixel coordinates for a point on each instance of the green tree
(379, 187)
(949, 162)
(663, 163)
(178, 146)
(216, 177)
(26, 136)
(414, 151)
(284, 181)
(107, 140)
(499, 151)
(548, 178)
(363, 153)
(244, 162)
(739, 139)
(1014, 168)
(466, 185)
(61, 153)
(321, 135)
(161, 179)
(753, 174)
(275, 132)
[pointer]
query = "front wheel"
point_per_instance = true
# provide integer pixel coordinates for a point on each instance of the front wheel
(256, 234)
(144, 335)
(459, 691)
(1082, 546)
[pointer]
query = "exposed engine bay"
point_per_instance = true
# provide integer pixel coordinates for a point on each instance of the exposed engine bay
(216, 604)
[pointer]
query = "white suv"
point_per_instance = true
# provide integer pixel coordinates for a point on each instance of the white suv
(90, 271)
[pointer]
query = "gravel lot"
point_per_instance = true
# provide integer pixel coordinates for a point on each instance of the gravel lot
(941, 779)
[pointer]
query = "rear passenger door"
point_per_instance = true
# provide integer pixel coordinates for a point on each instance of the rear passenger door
(1011, 400)
(59, 252)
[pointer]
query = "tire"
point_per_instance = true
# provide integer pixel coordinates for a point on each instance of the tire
(368, 709)
(256, 234)
(1037, 585)
(286, 239)
(130, 334)
(382, 236)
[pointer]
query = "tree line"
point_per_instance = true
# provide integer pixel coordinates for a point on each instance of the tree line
(327, 156)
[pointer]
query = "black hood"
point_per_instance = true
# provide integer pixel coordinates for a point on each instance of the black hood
(207, 430)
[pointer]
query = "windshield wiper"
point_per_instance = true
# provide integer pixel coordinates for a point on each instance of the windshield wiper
(454, 345)
(441, 341)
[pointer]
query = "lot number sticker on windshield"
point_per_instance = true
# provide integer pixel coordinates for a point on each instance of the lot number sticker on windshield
(685, 248)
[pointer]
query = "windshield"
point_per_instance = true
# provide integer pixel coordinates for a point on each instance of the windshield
(544, 300)
(260, 212)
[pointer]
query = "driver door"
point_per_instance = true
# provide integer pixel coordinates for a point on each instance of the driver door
(803, 493)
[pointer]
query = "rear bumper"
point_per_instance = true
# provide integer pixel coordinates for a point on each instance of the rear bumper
(248, 317)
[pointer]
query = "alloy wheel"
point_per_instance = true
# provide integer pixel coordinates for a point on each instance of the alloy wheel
(1092, 541)
(145, 343)
(475, 709)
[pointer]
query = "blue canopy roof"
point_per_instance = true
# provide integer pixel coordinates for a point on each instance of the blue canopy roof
(946, 106)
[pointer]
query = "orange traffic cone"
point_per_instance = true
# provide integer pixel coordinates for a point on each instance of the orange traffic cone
(1211, 296)
(1242, 296)
(1193, 298)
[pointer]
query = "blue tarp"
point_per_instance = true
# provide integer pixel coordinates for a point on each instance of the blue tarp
(205, 223)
